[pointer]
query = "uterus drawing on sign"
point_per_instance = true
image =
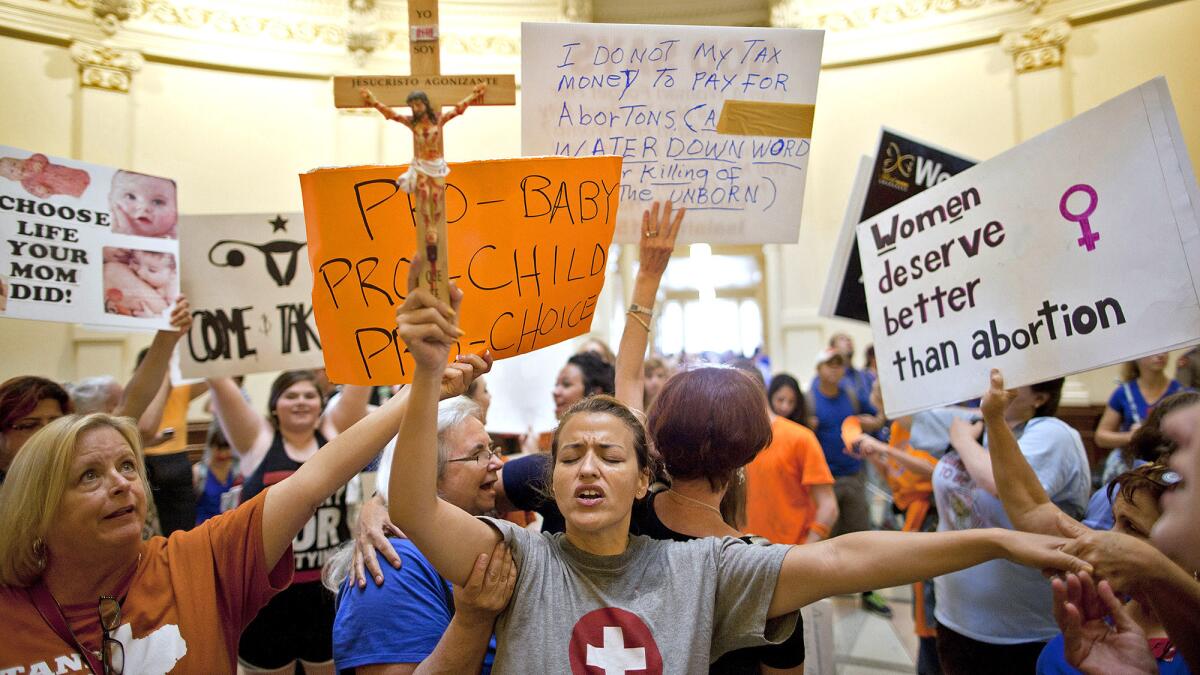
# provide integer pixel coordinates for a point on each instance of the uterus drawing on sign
(272, 251)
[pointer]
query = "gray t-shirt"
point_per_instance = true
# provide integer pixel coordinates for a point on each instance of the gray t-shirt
(659, 607)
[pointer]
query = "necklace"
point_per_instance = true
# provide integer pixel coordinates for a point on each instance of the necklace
(697, 502)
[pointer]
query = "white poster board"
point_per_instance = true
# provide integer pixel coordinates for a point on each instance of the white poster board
(522, 390)
(84, 243)
(249, 282)
(654, 95)
(1066, 253)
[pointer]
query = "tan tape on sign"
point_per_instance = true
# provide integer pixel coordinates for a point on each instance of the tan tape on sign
(764, 118)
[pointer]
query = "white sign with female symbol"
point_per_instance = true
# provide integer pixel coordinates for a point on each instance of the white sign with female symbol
(1066, 253)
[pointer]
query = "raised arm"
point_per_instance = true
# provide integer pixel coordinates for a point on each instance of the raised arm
(244, 428)
(964, 437)
(387, 112)
(148, 377)
(654, 250)
(449, 537)
(475, 97)
(1025, 500)
(862, 561)
(290, 503)
(349, 408)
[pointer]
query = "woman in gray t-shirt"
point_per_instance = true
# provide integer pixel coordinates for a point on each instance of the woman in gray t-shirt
(598, 596)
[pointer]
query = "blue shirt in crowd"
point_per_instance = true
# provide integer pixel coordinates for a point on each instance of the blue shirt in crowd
(830, 413)
(398, 622)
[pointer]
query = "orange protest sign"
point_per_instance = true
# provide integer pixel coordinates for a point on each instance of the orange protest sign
(528, 245)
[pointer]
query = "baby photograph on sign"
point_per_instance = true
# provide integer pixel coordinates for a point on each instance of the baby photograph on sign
(85, 243)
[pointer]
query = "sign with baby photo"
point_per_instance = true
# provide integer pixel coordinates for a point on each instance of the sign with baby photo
(249, 283)
(1071, 251)
(84, 243)
(527, 243)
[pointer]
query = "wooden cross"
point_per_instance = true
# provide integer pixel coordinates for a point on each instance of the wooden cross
(441, 90)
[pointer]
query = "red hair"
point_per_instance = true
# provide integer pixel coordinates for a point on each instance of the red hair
(708, 422)
(20, 395)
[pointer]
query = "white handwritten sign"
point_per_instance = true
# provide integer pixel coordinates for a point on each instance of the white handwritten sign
(1066, 253)
(655, 95)
(249, 282)
(84, 243)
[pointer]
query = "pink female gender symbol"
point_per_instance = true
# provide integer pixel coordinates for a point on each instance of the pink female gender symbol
(1089, 237)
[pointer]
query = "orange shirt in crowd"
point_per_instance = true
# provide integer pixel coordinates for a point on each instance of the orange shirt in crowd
(174, 418)
(779, 505)
(190, 598)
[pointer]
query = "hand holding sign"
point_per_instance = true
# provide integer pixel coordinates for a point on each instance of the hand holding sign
(997, 398)
(428, 326)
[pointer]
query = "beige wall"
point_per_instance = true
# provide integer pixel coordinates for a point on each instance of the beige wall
(235, 141)
(971, 100)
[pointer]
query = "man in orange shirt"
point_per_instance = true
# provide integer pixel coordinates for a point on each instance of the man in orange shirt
(789, 489)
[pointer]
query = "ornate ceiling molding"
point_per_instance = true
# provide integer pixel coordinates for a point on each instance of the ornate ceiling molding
(861, 31)
(103, 67)
(312, 38)
(1037, 47)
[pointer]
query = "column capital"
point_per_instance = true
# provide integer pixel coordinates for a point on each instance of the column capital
(1039, 46)
(104, 67)
(579, 11)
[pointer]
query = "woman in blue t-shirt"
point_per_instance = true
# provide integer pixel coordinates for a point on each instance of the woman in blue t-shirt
(1143, 385)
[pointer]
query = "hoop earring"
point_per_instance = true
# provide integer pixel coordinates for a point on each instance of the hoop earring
(39, 554)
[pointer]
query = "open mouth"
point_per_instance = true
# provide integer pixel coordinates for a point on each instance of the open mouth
(589, 495)
(487, 484)
(119, 513)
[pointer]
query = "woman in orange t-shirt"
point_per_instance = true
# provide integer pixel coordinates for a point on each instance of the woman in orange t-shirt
(82, 591)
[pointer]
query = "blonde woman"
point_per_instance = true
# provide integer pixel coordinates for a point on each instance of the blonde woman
(80, 588)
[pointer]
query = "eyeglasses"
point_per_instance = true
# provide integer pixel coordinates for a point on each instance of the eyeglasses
(111, 651)
(481, 458)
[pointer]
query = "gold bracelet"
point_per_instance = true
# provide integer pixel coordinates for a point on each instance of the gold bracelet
(638, 309)
(639, 319)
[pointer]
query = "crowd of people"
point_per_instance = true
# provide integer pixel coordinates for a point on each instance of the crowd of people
(675, 521)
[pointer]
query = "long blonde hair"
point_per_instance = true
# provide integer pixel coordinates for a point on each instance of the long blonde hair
(34, 488)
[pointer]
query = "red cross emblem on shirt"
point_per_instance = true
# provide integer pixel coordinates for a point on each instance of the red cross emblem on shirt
(613, 641)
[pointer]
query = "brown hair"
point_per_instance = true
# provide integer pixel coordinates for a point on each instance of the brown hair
(602, 403)
(1053, 391)
(20, 395)
(284, 382)
(708, 422)
(1147, 477)
(1149, 442)
(1130, 371)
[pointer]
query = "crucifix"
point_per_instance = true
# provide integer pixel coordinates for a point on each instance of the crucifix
(425, 91)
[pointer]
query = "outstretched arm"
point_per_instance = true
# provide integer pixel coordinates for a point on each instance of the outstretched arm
(654, 249)
(387, 112)
(865, 560)
(448, 536)
(1025, 500)
(149, 376)
(475, 97)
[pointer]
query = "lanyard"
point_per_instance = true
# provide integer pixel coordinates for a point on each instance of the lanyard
(52, 614)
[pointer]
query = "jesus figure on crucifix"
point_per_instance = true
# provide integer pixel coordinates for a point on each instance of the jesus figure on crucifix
(426, 175)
